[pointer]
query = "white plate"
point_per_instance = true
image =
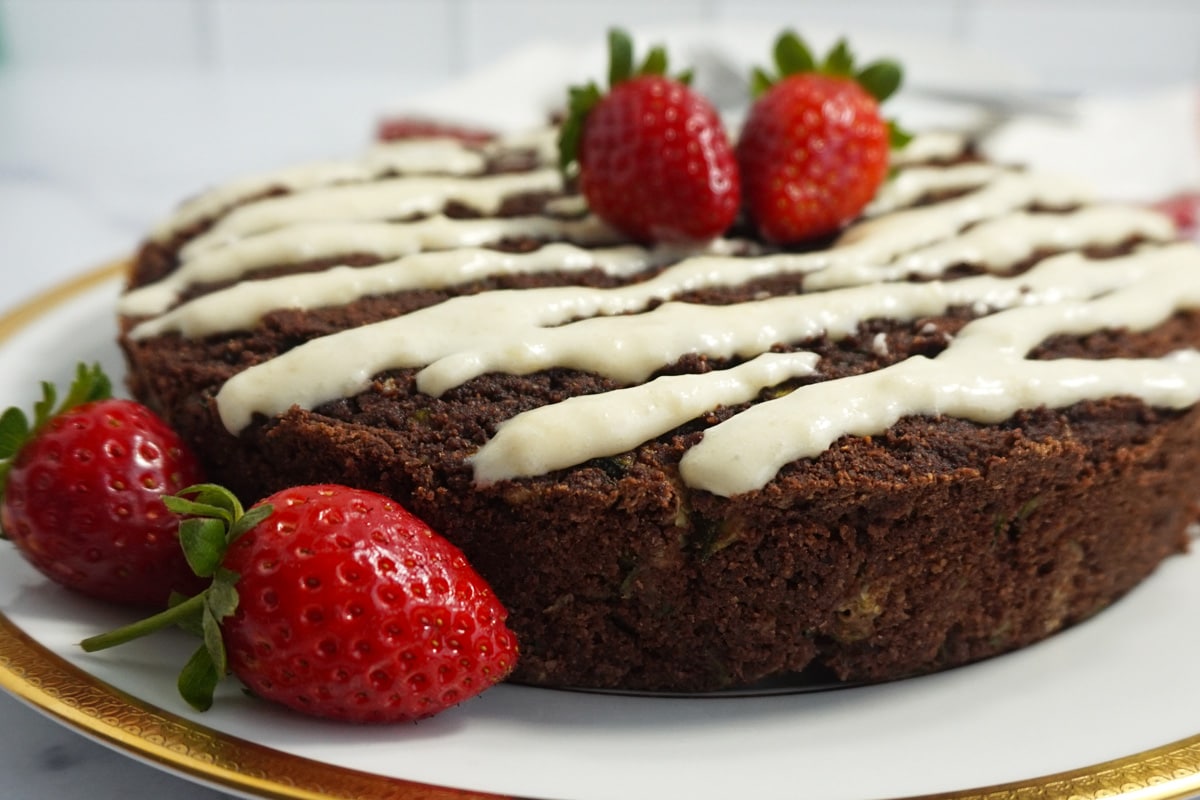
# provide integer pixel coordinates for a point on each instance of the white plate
(1112, 703)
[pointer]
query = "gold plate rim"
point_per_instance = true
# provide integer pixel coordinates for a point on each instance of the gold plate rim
(45, 681)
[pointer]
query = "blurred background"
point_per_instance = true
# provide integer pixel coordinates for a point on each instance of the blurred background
(111, 111)
(1070, 45)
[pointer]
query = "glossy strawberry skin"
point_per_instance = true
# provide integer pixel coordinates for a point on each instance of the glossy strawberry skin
(813, 153)
(351, 608)
(656, 163)
(83, 503)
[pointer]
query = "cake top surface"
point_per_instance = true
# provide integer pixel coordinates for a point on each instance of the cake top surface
(434, 212)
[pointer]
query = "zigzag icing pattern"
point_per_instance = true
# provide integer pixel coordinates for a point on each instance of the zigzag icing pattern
(992, 221)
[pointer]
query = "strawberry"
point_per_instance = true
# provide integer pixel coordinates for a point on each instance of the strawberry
(652, 156)
(1184, 210)
(391, 129)
(335, 602)
(814, 149)
(82, 493)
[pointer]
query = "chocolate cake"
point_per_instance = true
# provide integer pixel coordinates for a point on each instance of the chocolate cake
(968, 422)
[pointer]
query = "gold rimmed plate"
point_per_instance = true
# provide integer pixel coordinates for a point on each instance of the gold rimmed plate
(1108, 708)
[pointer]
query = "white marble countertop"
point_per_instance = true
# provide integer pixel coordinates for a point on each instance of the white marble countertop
(88, 161)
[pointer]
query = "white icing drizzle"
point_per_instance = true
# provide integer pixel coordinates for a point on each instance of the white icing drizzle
(523, 331)
(983, 374)
(911, 184)
(930, 146)
(895, 233)
(581, 428)
(388, 198)
(1003, 242)
(215, 201)
(567, 206)
(418, 156)
(413, 156)
(319, 240)
(243, 305)
(543, 142)
(851, 262)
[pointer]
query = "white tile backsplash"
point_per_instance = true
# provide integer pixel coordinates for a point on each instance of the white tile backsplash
(1069, 45)
(1103, 44)
(120, 33)
(493, 28)
(927, 18)
(413, 36)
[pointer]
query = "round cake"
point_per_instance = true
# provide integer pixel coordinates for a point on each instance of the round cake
(967, 422)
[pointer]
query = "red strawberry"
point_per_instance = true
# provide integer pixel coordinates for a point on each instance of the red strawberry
(393, 129)
(1184, 210)
(814, 149)
(83, 488)
(337, 603)
(654, 160)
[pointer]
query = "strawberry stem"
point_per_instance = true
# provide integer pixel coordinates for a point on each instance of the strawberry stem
(212, 519)
(144, 627)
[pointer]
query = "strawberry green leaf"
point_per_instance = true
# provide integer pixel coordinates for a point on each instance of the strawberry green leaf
(839, 60)
(881, 79)
(620, 49)
(248, 520)
(760, 82)
(90, 384)
(14, 430)
(213, 642)
(204, 544)
(213, 495)
(222, 600)
(792, 55)
(582, 99)
(655, 63)
(897, 136)
(43, 409)
(585, 97)
(186, 507)
(198, 680)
